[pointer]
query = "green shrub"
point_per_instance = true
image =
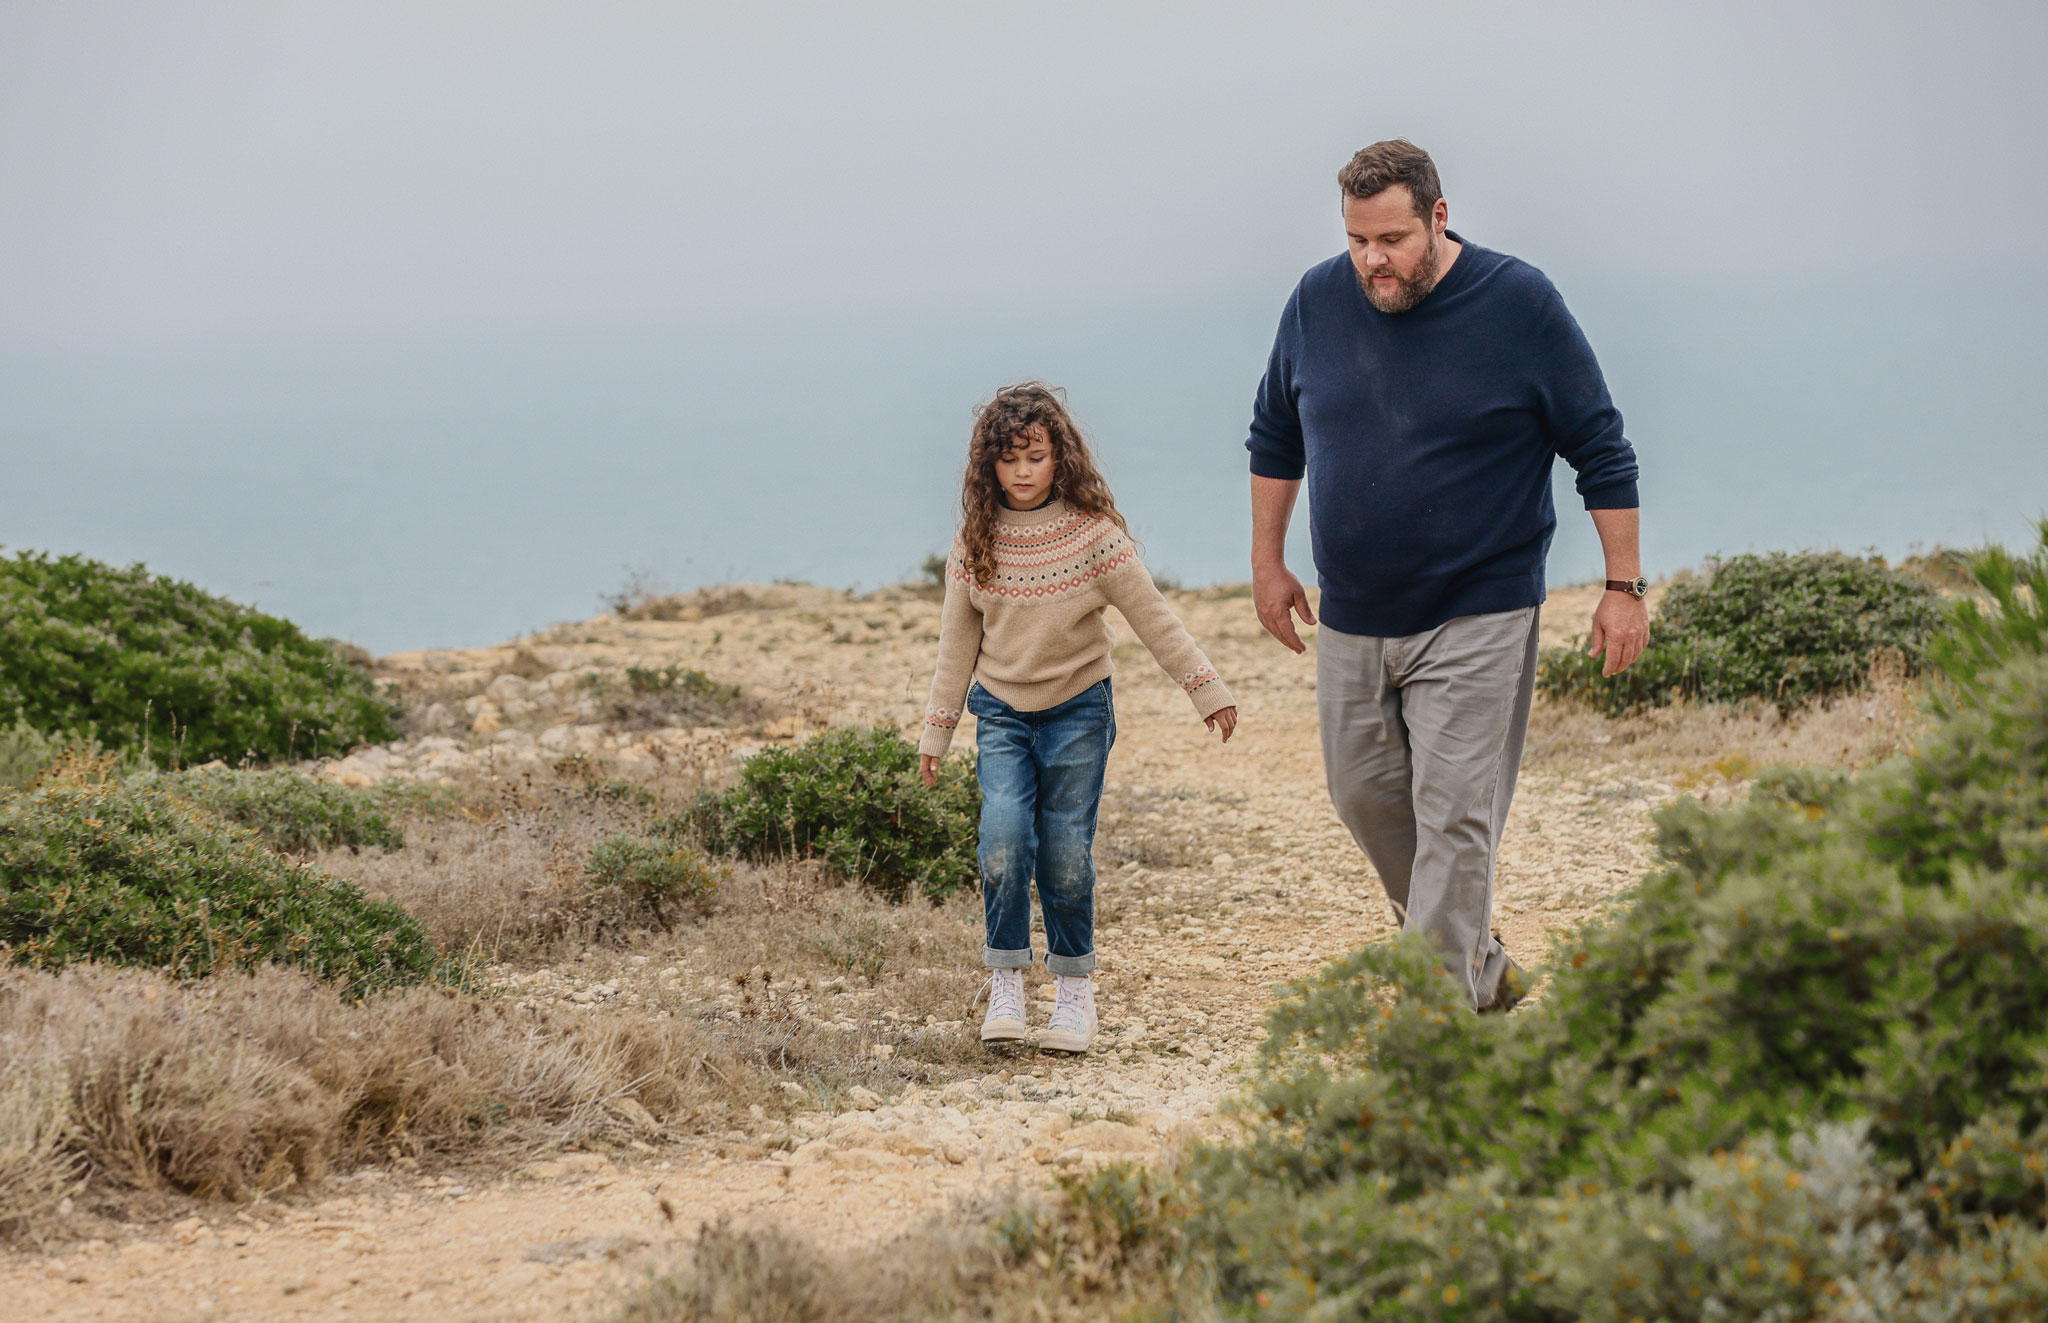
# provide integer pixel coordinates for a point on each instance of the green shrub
(1804, 1074)
(296, 814)
(852, 799)
(142, 661)
(25, 753)
(2006, 618)
(129, 874)
(658, 879)
(1783, 627)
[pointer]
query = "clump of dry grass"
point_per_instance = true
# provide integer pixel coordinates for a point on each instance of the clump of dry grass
(504, 876)
(248, 1083)
(37, 1168)
(1852, 730)
(996, 1258)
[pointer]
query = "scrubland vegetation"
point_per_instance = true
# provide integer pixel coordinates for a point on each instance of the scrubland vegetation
(1798, 1072)
(1801, 1073)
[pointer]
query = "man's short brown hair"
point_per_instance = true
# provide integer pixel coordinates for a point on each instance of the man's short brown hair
(1396, 161)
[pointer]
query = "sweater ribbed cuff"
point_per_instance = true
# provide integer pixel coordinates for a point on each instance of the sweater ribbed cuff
(1275, 466)
(937, 739)
(1210, 696)
(1614, 496)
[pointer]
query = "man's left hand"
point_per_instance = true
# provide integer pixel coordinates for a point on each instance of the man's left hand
(1621, 628)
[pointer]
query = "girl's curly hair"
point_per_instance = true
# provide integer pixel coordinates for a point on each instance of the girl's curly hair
(1000, 425)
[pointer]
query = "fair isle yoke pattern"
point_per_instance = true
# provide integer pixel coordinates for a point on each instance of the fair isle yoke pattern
(1055, 559)
(1034, 636)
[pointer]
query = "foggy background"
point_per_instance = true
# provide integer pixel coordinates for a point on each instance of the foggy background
(424, 323)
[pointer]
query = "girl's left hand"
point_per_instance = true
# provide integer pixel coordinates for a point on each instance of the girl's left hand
(1223, 719)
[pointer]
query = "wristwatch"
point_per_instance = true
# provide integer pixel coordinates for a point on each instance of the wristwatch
(1636, 587)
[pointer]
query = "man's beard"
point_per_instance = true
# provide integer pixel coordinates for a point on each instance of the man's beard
(1407, 293)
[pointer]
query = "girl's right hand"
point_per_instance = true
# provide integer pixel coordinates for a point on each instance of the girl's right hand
(928, 768)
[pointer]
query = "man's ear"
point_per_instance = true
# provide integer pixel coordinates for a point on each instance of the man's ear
(1440, 216)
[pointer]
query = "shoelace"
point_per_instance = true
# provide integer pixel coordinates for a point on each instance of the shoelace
(1005, 996)
(1076, 1000)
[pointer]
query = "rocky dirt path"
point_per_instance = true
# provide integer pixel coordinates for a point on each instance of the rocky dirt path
(1224, 873)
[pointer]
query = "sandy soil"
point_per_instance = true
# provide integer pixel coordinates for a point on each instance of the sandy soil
(1235, 877)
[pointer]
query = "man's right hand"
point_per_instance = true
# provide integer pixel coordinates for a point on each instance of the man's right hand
(1279, 597)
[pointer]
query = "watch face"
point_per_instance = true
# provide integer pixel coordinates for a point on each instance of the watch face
(1639, 586)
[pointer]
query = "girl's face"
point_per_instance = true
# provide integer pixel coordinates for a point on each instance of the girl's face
(1027, 469)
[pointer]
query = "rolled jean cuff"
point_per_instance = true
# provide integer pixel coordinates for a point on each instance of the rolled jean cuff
(995, 959)
(1071, 966)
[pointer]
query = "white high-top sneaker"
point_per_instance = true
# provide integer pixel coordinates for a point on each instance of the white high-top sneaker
(1073, 1016)
(1005, 993)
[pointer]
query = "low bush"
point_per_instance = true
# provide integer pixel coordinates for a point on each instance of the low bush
(851, 798)
(296, 814)
(95, 869)
(2004, 616)
(138, 660)
(1803, 1074)
(637, 879)
(1783, 627)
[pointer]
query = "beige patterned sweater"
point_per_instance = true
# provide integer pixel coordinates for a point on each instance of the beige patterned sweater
(1035, 637)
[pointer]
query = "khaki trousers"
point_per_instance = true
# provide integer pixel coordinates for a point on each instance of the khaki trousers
(1422, 740)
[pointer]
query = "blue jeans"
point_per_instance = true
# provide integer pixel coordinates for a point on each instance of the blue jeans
(1041, 782)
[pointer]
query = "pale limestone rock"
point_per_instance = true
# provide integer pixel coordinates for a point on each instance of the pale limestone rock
(910, 1142)
(1108, 1137)
(867, 1159)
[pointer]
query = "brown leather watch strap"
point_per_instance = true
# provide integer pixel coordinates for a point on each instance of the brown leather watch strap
(1624, 586)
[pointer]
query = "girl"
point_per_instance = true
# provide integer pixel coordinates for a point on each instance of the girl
(1023, 646)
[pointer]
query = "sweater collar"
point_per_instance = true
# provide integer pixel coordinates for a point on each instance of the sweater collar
(1043, 514)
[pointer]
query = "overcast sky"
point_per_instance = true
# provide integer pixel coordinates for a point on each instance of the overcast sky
(417, 322)
(180, 169)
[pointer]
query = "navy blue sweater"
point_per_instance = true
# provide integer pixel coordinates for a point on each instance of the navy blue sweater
(1428, 436)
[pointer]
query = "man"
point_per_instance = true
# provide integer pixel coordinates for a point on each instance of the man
(1424, 384)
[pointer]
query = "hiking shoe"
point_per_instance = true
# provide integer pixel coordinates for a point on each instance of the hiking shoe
(1508, 993)
(1005, 1020)
(1073, 1016)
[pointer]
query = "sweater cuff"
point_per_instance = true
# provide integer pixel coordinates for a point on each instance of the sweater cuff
(1614, 496)
(1266, 465)
(939, 725)
(1207, 691)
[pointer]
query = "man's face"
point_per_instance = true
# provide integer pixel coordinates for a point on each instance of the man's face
(1395, 251)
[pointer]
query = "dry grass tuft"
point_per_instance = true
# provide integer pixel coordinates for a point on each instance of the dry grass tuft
(998, 1259)
(37, 1170)
(1854, 730)
(242, 1084)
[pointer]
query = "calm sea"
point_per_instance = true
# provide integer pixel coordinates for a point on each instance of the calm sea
(412, 489)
